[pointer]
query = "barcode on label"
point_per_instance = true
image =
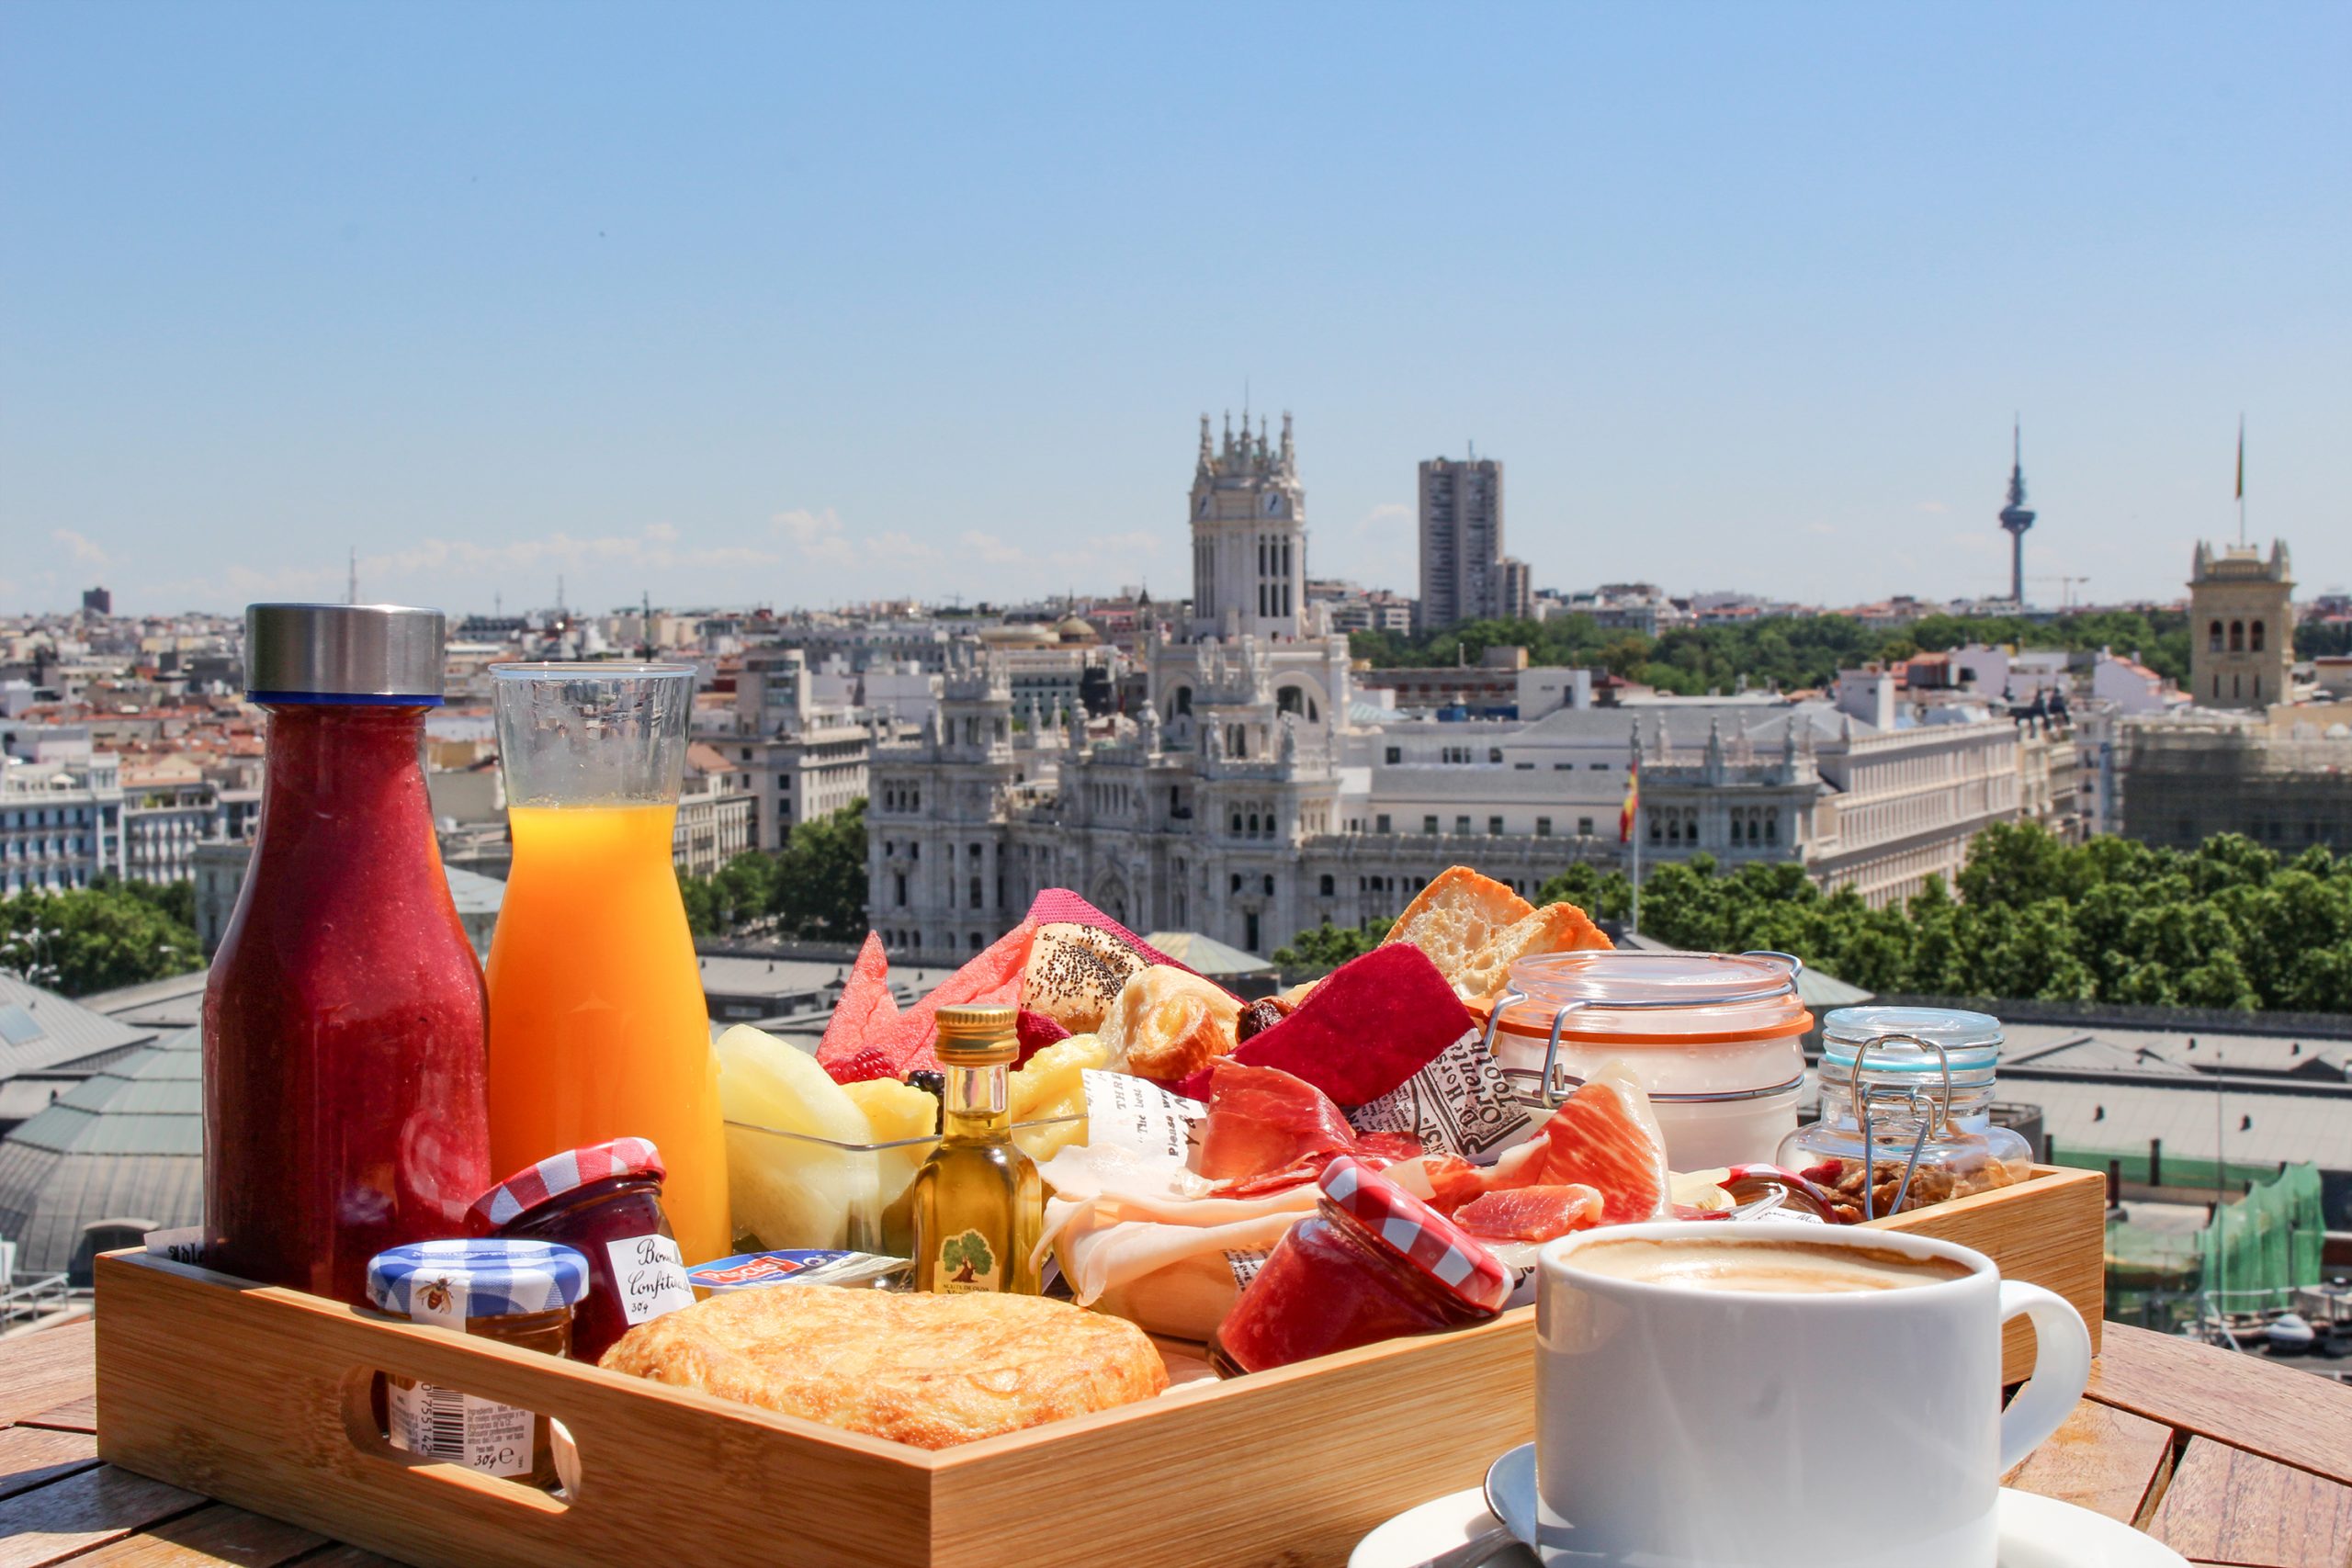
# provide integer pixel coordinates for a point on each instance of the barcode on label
(444, 1425)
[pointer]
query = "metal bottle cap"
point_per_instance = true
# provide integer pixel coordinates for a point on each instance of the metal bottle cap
(977, 1036)
(390, 654)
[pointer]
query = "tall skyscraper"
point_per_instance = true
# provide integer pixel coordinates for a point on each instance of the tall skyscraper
(1248, 535)
(2016, 517)
(1462, 541)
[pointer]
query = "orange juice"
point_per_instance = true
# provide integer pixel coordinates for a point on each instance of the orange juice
(597, 1025)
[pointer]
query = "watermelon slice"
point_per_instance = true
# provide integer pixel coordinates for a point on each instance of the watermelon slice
(1530, 1213)
(992, 978)
(864, 1010)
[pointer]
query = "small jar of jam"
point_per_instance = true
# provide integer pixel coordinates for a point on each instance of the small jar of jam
(605, 1201)
(516, 1292)
(1372, 1263)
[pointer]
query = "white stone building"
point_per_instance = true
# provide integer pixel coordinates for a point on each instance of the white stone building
(797, 760)
(1252, 794)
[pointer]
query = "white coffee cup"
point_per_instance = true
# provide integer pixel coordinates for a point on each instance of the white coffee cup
(1689, 1426)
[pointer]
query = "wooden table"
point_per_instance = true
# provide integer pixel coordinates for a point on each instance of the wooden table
(2229, 1460)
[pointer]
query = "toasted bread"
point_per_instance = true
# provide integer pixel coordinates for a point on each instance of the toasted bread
(1555, 927)
(1169, 1023)
(1454, 919)
(1074, 973)
(1473, 927)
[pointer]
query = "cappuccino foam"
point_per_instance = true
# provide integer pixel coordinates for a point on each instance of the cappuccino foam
(1775, 1267)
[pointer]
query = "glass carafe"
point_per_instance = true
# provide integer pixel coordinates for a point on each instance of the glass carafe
(597, 1025)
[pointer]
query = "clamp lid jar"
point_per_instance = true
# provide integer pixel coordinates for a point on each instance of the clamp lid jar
(1906, 1100)
(1712, 1037)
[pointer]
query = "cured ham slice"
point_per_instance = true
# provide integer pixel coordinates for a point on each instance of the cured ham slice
(1264, 1123)
(1604, 1138)
(1267, 1131)
(1530, 1213)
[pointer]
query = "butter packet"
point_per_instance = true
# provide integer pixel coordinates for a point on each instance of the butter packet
(753, 1270)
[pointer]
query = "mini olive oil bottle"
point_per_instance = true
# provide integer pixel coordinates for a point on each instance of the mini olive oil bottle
(977, 1202)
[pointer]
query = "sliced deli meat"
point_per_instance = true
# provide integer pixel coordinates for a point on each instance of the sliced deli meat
(1530, 1213)
(1604, 1138)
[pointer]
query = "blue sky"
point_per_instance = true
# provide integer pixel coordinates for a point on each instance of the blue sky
(757, 304)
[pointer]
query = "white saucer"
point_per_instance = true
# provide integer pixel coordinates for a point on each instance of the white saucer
(2036, 1532)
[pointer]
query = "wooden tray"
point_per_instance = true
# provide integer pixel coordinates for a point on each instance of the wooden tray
(261, 1397)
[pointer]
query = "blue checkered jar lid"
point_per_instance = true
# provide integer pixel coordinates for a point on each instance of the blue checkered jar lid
(449, 1282)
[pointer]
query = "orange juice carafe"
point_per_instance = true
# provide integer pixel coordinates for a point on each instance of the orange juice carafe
(597, 1025)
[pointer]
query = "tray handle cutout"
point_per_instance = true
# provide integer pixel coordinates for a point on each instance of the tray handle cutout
(368, 1395)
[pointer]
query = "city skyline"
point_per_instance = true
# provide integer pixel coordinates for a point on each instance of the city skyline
(659, 309)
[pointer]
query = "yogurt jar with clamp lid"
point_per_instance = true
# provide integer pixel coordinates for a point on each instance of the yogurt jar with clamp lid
(1715, 1038)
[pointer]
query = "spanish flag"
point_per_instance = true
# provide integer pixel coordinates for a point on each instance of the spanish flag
(1627, 812)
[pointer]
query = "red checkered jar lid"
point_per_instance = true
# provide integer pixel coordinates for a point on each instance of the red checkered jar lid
(1415, 1234)
(566, 1172)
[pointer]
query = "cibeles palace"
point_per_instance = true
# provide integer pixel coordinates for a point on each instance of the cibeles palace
(1251, 794)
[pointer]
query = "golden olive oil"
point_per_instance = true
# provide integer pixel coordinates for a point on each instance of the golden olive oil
(977, 1203)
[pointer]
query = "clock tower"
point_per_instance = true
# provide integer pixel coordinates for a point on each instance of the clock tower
(1249, 537)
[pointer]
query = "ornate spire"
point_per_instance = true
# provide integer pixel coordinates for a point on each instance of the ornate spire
(1290, 452)
(1208, 454)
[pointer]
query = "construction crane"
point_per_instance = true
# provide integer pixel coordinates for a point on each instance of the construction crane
(2066, 587)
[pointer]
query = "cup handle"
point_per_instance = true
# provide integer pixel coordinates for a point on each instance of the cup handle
(2062, 1370)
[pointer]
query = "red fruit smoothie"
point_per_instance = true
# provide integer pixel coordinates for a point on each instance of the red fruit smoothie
(345, 1020)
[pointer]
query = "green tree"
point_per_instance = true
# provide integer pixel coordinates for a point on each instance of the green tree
(93, 938)
(1324, 949)
(820, 878)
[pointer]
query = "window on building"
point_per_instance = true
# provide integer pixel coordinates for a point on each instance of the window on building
(1237, 882)
(899, 889)
(1249, 930)
(1584, 827)
(914, 850)
(975, 885)
(2213, 637)
(976, 942)
(1494, 825)
(1462, 823)
(1269, 886)
(1181, 702)
(1395, 755)
(1543, 826)
(1326, 886)
(2237, 637)
(2256, 637)
(1429, 824)
(1494, 753)
(1290, 699)
(1772, 826)
(1380, 823)
(1236, 823)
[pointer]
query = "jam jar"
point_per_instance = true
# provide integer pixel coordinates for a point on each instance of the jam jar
(1906, 1102)
(604, 1200)
(516, 1292)
(1372, 1263)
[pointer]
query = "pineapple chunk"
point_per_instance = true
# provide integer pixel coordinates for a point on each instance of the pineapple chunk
(790, 1181)
(1051, 1084)
(895, 1110)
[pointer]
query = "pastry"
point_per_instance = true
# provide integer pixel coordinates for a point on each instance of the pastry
(1168, 1024)
(930, 1370)
(1073, 974)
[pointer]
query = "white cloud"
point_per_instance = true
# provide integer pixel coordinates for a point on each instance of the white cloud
(895, 545)
(818, 535)
(81, 547)
(1389, 517)
(991, 549)
(1934, 508)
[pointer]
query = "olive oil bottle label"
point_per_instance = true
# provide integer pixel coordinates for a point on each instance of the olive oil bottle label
(967, 1263)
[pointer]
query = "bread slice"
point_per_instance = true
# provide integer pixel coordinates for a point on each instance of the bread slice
(1555, 927)
(1455, 917)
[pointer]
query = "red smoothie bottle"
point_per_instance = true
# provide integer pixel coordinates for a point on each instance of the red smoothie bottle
(345, 1020)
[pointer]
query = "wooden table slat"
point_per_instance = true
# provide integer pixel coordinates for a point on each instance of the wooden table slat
(2104, 1459)
(2228, 1506)
(343, 1557)
(49, 1369)
(53, 1522)
(30, 1456)
(73, 1416)
(219, 1534)
(2300, 1420)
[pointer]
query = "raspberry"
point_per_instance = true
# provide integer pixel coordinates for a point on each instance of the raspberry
(868, 1062)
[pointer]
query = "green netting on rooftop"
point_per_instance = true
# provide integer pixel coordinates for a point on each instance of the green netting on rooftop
(2254, 1254)
(2140, 1170)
